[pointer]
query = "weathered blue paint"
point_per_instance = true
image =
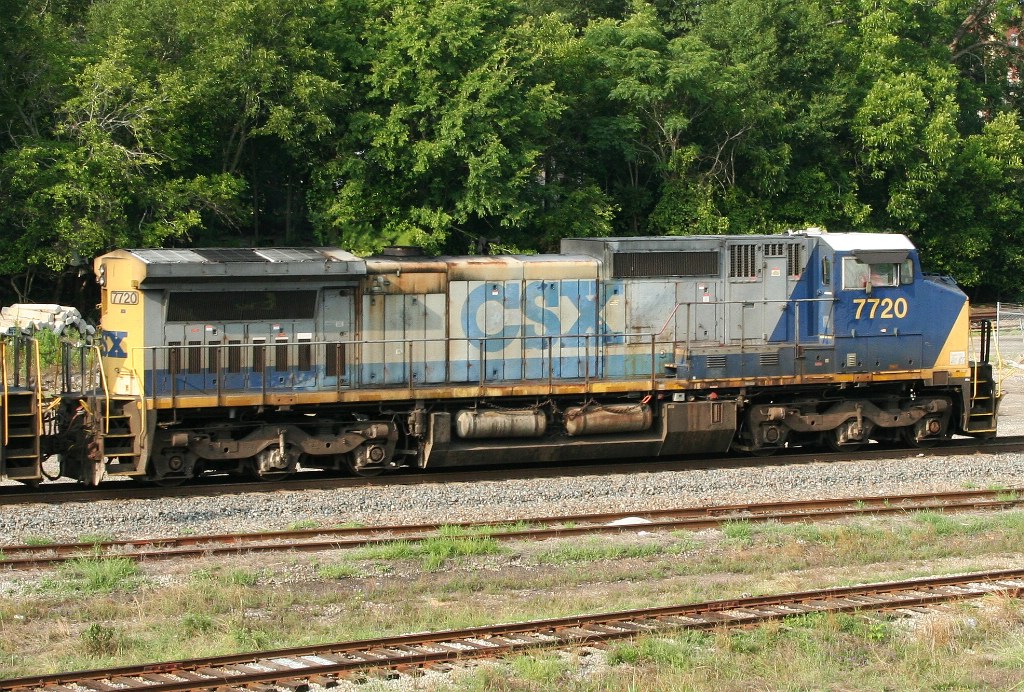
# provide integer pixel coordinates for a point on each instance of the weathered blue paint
(111, 344)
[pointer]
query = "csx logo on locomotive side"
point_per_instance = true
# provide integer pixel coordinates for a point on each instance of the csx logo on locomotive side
(112, 347)
(539, 317)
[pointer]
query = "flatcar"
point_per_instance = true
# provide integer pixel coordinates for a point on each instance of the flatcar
(261, 361)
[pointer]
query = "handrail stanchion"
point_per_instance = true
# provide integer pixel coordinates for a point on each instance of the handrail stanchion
(6, 376)
(653, 361)
(105, 389)
(409, 361)
(39, 389)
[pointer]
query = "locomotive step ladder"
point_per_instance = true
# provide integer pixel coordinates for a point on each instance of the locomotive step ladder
(984, 400)
(21, 452)
(118, 443)
(985, 393)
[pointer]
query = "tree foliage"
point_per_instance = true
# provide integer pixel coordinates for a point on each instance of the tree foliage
(461, 125)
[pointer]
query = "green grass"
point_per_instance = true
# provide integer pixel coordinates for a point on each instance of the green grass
(226, 577)
(545, 669)
(678, 652)
(102, 640)
(455, 531)
(93, 576)
(841, 651)
(740, 530)
(970, 649)
(594, 552)
(455, 581)
(241, 577)
(338, 571)
(434, 552)
(49, 345)
(195, 624)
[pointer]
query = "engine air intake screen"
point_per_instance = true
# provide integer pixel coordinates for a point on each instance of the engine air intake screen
(641, 264)
(240, 306)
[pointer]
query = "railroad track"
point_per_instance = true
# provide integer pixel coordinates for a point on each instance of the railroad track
(690, 518)
(295, 669)
(58, 493)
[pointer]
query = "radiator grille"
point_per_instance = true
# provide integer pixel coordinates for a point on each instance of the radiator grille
(767, 359)
(743, 261)
(240, 306)
(794, 259)
(793, 252)
(716, 361)
(644, 264)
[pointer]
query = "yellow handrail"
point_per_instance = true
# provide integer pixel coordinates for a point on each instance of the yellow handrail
(39, 389)
(3, 356)
(106, 389)
(142, 397)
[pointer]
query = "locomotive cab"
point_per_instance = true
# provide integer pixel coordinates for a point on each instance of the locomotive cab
(893, 354)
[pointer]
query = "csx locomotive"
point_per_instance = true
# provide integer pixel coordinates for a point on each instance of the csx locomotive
(261, 361)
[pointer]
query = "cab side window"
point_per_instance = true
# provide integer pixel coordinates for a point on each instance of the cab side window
(907, 272)
(858, 275)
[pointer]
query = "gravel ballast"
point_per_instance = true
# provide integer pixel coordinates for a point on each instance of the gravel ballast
(438, 503)
(506, 500)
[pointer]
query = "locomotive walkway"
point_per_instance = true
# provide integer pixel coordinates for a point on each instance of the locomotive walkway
(296, 669)
(691, 518)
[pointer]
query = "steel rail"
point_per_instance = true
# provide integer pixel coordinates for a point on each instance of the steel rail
(687, 518)
(294, 669)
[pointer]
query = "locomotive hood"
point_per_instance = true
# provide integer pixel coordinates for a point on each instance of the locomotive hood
(157, 265)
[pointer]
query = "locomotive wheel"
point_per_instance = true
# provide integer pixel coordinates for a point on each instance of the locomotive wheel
(169, 481)
(267, 466)
(910, 439)
(252, 471)
(364, 472)
(836, 446)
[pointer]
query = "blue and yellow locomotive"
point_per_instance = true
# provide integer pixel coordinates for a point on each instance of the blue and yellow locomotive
(261, 361)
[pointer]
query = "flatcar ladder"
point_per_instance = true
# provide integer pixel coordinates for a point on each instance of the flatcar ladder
(21, 455)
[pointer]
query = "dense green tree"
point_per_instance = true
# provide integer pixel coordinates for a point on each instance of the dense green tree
(250, 89)
(36, 67)
(729, 125)
(938, 152)
(445, 142)
(460, 124)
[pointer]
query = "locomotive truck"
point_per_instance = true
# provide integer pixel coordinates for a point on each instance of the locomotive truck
(261, 361)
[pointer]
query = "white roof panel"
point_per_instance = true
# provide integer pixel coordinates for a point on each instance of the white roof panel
(848, 242)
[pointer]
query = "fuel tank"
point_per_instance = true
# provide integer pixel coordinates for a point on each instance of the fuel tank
(613, 418)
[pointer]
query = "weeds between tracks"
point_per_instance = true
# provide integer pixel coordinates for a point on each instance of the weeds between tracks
(88, 616)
